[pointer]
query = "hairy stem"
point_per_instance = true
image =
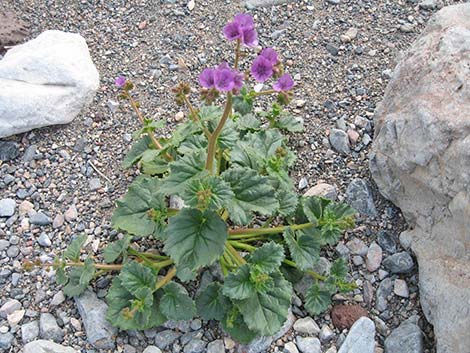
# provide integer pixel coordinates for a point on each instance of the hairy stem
(264, 93)
(215, 135)
(195, 117)
(167, 278)
(235, 254)
(104, 267)
(311, 273)
(243, 246)
(237, 54)
(240, 233)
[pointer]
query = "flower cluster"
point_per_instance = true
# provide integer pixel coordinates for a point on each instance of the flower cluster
(222, 78)
(266, 65)
(242, 28)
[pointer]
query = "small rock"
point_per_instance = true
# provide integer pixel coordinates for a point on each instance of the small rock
(360, 197)
(40, 219)
(191, 5)
(58, 221)
(374, 257)
(15, 317)
(333, 2)
(357, 247)
(406, 338)
(290, 347)
(165, 338)
(324, 190)
(7, 207)
(216, 346)
(58, 298)
(332, 49)
(8, 150)
(407, 27)
(44, 240)
(99, 331)
(179, 116)
(400, 288)
(353, 136)
(49, 329)
(344, 316)
(42, 346)
(6, 340)
(384, 290)
(152, 349)
(307, 326)
(300, 103)
(13, 251)
(350, 35)
(95, 184)
(9, 307)
(361, 337)
(400, 262)
(339, 141)
(406, 239)
(303, 183)
(429, 4)
(71, 214)
(326, 334)
(195, 346)
(386, 242)
(75, 324)
(25, 207)
(308, 344)
(29, 331)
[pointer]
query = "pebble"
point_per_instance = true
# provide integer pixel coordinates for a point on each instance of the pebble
(92, 310)
(44, 240)
(48, 328)
(428, 4)
(324, 190)
(334, 2)
(9, 307)
(357, 247)
(400, 262)
(40, 219)
(95, 184)
(374, 257)
(406, 338)
(406, 239)
(307, 326)
(15, 317)
(400, 288)
(191, 4)
(406, 28)
(344, 316)
(308, 344)
(353, 136)
(216, 346)
(350, 35)
(8, 150)
(7, 207)
(383, 291)
(6, 340)
(361, 337)
(165, 338)
(13, 251)
(290, 347)
(195, 346)
(71, 214)
(179, 116)
(4, 244)
(43, 346)
(326, 333)
(58, 221)
(332, 49)
(153, 349)
(300, 103)
(30, 331)
(386, 242)
(58, 298)
(25, 207)
(359, 196)
(339, 140)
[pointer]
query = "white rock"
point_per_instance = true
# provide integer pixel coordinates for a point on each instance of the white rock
(45, 81)
(400, 288)
(323, 190)
(290, 347)
(9, 307)
(307, 325)
(361, 337)
(191, 5)
(426, 175)
(152, 349)
(58, 298)
(43, 346)
(15, 317)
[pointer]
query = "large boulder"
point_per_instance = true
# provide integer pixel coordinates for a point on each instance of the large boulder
(421, 161)
(45, 81)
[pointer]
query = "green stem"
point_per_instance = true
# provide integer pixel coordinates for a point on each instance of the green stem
(264, 93)
(311, 273)
(249, 240)
(235, 254)
(195, 117)
(246, 232)
(215, 135)
(163, 264)
(139, 255)
(243, 246)
(223, 265)
(168, 277)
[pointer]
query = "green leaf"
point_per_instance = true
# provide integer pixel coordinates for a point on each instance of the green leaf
(153, 163)
(207, 192)
(267, 258)
(195, 238)
(88, 272)
(265, 312)
(176, 304)
(136, 152)
(304, 248)
(238, 284)
(183, 131)
(192, 143)
(289, 123)
(61, 277)
(73, 286)
(288, 201)
(339, 269)
(252, 194)
(211, 303)
(317, 299)
(112, 252)
(248, 122)
(243, 103)
(135, 210)
(131, 313)
(182, 170)
(313, 208)
(234, 325)
(137, 278)
(72, 252)
(210, 113)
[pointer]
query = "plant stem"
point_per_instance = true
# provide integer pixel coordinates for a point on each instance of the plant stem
(223, 265)
(141, 256)
(216, 133)
(311, 273)
(104, 267)
(247, 232)
(195, 117)
(170, 274)
(236, 255)
(242, 246)
(237, 54)
(264, 93)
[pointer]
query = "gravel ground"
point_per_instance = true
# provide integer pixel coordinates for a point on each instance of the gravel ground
(74, 171)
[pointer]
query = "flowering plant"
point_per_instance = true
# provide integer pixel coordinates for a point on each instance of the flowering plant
(241, 212)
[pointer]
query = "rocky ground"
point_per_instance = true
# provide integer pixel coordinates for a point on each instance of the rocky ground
(60, 181)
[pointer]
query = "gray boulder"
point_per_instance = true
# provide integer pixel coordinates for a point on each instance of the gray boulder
(99, 331)
(45, 81)
(420, 161)
(361, 337)
(406, 338)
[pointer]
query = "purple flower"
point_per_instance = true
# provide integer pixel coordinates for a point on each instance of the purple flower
(238, 81)
(270, 54)
(250, 37)
(232, 31)
(206, 78)
(262, 69)
(244, 20)
(120, 81)
(224, 80)
(285, 83)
